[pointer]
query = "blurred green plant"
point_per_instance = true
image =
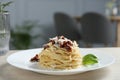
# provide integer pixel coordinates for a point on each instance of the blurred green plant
(21, 35)
(4, 5)
(20, 40)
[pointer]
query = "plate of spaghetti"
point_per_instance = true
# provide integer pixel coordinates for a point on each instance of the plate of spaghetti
(60, 56)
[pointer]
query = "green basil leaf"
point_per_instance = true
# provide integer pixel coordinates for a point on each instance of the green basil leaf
(89, 59)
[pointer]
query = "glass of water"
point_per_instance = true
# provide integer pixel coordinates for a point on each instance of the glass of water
(4, 33)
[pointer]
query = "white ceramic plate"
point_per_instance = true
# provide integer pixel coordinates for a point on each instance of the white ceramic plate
(22, 60)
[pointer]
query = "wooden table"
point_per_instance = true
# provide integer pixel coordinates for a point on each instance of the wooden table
(112, 72)
(113, 19)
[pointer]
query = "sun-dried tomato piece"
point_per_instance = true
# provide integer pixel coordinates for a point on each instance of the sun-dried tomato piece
(46, 46)
(53, 41)
(35, 58)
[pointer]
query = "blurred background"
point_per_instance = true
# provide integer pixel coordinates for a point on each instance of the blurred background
(32, 21)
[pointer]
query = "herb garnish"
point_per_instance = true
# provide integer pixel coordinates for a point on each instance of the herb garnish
(89, 59)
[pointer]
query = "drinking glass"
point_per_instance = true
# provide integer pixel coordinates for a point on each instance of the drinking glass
(4, 33)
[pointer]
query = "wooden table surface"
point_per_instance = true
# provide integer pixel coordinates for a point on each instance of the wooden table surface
(112, 72)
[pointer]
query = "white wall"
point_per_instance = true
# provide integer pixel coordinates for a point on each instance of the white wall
(43, 10)
(40, 10)
(94, 5)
